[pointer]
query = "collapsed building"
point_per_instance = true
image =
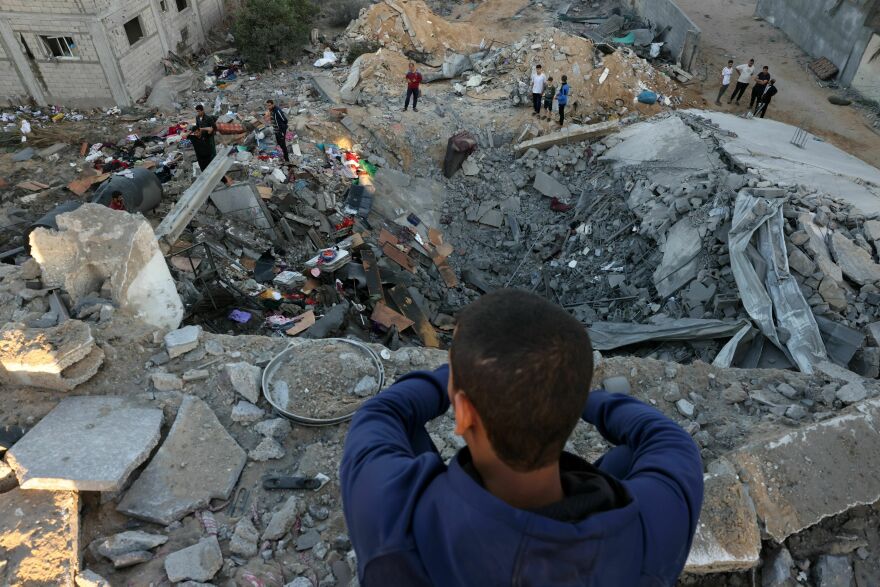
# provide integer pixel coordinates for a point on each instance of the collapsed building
(177, 377)
(97, 52)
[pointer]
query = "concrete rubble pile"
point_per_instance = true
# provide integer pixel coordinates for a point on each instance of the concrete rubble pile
(163, 367)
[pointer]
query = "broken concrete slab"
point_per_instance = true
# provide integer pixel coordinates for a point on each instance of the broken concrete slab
(276, 428)
(58, 358)
(244, 539)
(89, 578)
(679, 265)
(199, 562)
(244, 378)
(39, 537)
(800, 262)
(242, 202)
(86, 444)
(182, 340)
(841, 341)
(551, 188)
(816, 246)
(572, 134)
(95, 247)
(129, 541)
(804, 476)
(326, 87)
(246, 413)
(199, 461)
(855, 262)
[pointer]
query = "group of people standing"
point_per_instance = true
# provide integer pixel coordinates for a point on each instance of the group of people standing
(762, 92)
(543, 89)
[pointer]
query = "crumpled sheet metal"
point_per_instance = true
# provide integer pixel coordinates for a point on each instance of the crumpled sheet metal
(774, 300)
(607, 336)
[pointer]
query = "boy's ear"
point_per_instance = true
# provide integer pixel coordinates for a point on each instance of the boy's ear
(465, 413)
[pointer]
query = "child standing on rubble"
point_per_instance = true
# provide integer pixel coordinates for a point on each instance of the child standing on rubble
(562, 99)
(549, 95)
(512, 508)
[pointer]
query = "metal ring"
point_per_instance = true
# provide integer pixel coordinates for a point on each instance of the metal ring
(272, 367)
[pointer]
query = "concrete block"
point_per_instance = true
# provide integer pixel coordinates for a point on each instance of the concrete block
(244, 378)
(326, 87)
(551, 188)
(94, 246)
(241, 202)
(58, 358)
(199, 562)
(815, 246)
(855, 262)
(680, 258)
(246, 413)
(39, 537)
(90, 578)
(86, 444)
(804, 476)
(282, 520)
(182, 340)
(841, 341)
(727, 538)
(567, 136)
(167, 490)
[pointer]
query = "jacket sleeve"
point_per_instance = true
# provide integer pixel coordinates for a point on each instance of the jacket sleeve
(388, 461)
(666, 476)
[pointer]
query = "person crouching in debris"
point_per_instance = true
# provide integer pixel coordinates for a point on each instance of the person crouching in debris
(116, 201)
(549, 96)
(413, 81)
(562, 99)
(512, 508)
(279, 124)
(202, 139)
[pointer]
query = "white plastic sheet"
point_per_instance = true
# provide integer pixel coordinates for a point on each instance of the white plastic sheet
(329, 58)
(769, 293)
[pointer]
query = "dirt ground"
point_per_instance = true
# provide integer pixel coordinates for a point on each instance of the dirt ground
(730, 31)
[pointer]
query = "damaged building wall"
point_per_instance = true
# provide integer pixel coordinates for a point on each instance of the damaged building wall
(682, 37)
(833, 29)
(100, 52)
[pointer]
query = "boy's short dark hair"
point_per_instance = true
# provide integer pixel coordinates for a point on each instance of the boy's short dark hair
(526, 365)
(538, 67)
(200, 108)
(270, 101)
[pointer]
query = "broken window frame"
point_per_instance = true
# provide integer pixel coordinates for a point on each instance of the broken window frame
(59, 47)
(184, 3)
(136, 19)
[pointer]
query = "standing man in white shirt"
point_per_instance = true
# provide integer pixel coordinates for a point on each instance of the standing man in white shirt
(725, 81)
(746, 71)
(539, 80)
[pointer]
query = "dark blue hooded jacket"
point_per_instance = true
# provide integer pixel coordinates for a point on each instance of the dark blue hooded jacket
(415, 521)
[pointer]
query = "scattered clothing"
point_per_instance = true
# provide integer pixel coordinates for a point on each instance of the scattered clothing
(627, 520)
(758, 88)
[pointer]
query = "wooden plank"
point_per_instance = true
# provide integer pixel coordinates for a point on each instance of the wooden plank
(304, 321)
(374, 280)
(398, 257)
(387, 317)
(387, 237)
(446, 271)
(411, 310)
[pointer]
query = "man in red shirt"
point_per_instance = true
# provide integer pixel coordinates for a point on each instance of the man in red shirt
(413, 79)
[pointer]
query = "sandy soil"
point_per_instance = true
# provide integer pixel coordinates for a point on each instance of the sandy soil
(730, 31)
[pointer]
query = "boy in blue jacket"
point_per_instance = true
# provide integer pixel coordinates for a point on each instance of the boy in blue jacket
(512, 508)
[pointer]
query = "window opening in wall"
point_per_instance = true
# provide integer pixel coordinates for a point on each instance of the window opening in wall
(133, 30)
(59, 46)
(184, 35)
(163, 6)
(182, 5)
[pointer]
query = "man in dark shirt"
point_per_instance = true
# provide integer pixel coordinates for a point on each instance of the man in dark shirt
(202, 139)
(413, 80)
(512, 508)
(759, 87)
(279, 125)
(766, 97)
